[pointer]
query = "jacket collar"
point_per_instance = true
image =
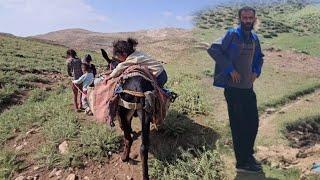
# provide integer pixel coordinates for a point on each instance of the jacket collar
(240, 33)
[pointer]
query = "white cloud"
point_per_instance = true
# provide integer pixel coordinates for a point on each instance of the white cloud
(29, 17)
(167, 13)
(187, 18)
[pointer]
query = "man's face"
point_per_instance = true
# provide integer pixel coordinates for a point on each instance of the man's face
(247, 20)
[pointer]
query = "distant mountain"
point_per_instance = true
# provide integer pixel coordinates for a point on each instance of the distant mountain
(84, 39)
(6, 34)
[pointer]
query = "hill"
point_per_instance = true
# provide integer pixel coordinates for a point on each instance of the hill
(84, 39)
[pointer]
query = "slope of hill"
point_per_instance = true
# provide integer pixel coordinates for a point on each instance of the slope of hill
(83, 39)
(274, 18)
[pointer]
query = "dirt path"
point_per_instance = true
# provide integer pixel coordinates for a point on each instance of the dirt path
(280, 154)
(160, 144)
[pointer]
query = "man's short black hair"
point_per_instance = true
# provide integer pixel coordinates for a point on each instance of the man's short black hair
(246, 8)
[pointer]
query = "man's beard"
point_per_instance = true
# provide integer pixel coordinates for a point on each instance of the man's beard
(247, 26)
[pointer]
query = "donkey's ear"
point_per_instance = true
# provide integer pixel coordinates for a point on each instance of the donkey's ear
(105, 55)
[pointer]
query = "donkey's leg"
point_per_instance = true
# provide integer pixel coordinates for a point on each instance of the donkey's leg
(144, 148)
(125, 118)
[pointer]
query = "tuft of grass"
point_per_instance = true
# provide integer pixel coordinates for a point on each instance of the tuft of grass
(290, 96)
(6, 94)
(312, 120)
(173, 126)
(9, 163)
(205, 164)
(37, 95)
(34, 78)
(292, 173)
(191, 96)
(208, 73)
(97, 141)
(48, 155)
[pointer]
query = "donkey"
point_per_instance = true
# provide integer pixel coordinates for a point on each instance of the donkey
(139, 85)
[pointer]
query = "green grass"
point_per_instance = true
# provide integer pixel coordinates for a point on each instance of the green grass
(292, 25)
(9, 163)
(285, 93)
(290, 174)
(191, 96)
(204, 164)
(297, 113)
(19, 59)
(24, 62)
(207, 36)
(59, 123)
(291, 41)
(306, 18)
(270, 15)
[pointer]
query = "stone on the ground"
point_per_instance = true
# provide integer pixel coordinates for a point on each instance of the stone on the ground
(20, 178)
(53, 172)
(86, 178)
(63, 147)
(71, 177)
(30, 178)
(270, 110)
(58, 173)
(19, 148)
(31, 131)
(36, 177)
(262, 148)
(274, 165)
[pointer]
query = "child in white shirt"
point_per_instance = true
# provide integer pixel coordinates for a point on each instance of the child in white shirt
(86, 80)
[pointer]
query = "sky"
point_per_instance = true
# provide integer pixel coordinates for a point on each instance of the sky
(33, 17)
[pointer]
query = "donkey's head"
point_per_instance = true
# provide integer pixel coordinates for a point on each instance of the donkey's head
(111, 63)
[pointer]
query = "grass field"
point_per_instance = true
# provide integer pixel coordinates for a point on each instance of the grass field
(194, 142)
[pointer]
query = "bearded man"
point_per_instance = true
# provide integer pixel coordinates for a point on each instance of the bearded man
(239, 61)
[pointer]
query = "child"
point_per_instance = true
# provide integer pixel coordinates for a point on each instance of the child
(87, 60)
(126, 54)
(74, 70)
(86, 80)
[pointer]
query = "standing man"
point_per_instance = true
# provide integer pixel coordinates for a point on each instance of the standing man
(239, 61)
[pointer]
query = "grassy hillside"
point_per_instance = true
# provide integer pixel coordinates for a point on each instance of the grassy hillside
(293, 25)
(35, 73)
(195, 140)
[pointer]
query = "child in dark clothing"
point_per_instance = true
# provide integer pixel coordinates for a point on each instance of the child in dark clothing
(74, 70)
(92, 68)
